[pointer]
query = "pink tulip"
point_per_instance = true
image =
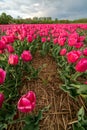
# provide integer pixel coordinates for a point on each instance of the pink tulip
(63, 51)
(4, 39)
(21, 37)
(61, 41)
(85, 52)
(35, 36)
(73, 56)
(13, 59)
(26, 56)
(78, 45)
(24, 33)
(72, 41)
(1, 51)
(27, 102)
(48, 39)
(10, 48)
(81, 66)
(8, 39)
(2, 45)
(29, 38)
(81, 38)
(85, 82)
(1, 99)
(2, 76)
(55, 40)
(74, 35)
(43, 39)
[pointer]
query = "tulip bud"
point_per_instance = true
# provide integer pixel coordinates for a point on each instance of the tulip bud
(1, 99)
(2, 76)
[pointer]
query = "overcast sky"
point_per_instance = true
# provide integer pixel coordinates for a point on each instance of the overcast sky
(61, 9)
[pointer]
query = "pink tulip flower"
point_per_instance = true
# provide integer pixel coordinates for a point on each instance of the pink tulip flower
(1, 99)
(2, 76)
(13, 59)
(27, 102)
(73, 56)
(2, 45)
(10, 48)
(81, 66)
(85, 52)
(26, 56)
(63, 51)
(43, 39)
(29, 38)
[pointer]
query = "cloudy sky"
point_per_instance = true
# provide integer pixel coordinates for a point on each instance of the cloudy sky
(61, 9)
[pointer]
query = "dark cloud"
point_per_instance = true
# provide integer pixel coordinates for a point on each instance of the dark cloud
(61, 9)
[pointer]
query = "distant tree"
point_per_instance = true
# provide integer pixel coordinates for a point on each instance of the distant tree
(35, 18)
(56, 20)
(18, 17)
(5, 19)
(49, 18)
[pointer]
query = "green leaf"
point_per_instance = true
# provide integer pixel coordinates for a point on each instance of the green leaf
(29, 119)
(71, 90)
(55, 51)
(38, 117)
(77, 86)
(76, 75)
(81, 114)
(7, 113)
(82, 89)
(32, 121)
(3, 126)
(31, 127)
(28, 127)
(45, 49)
(76, 127)
(82, 121)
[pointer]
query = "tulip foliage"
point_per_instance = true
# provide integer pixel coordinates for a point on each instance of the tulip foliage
(67, 44)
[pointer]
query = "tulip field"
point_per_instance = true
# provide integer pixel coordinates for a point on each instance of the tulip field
(43, 77)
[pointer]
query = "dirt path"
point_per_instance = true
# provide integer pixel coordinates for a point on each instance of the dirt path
(63, 109)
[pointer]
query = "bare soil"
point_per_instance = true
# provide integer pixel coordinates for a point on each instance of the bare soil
(63, 109)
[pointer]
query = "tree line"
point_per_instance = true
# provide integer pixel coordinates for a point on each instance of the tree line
(8, 19)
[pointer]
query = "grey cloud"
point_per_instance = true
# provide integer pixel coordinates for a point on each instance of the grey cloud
(61, 9)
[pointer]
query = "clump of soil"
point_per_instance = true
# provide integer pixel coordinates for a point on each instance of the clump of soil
(63, 109)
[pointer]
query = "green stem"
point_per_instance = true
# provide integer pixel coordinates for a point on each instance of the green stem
(77, 74)
(16, 121)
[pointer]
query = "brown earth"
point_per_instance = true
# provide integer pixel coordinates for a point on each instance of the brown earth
(63, 109)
